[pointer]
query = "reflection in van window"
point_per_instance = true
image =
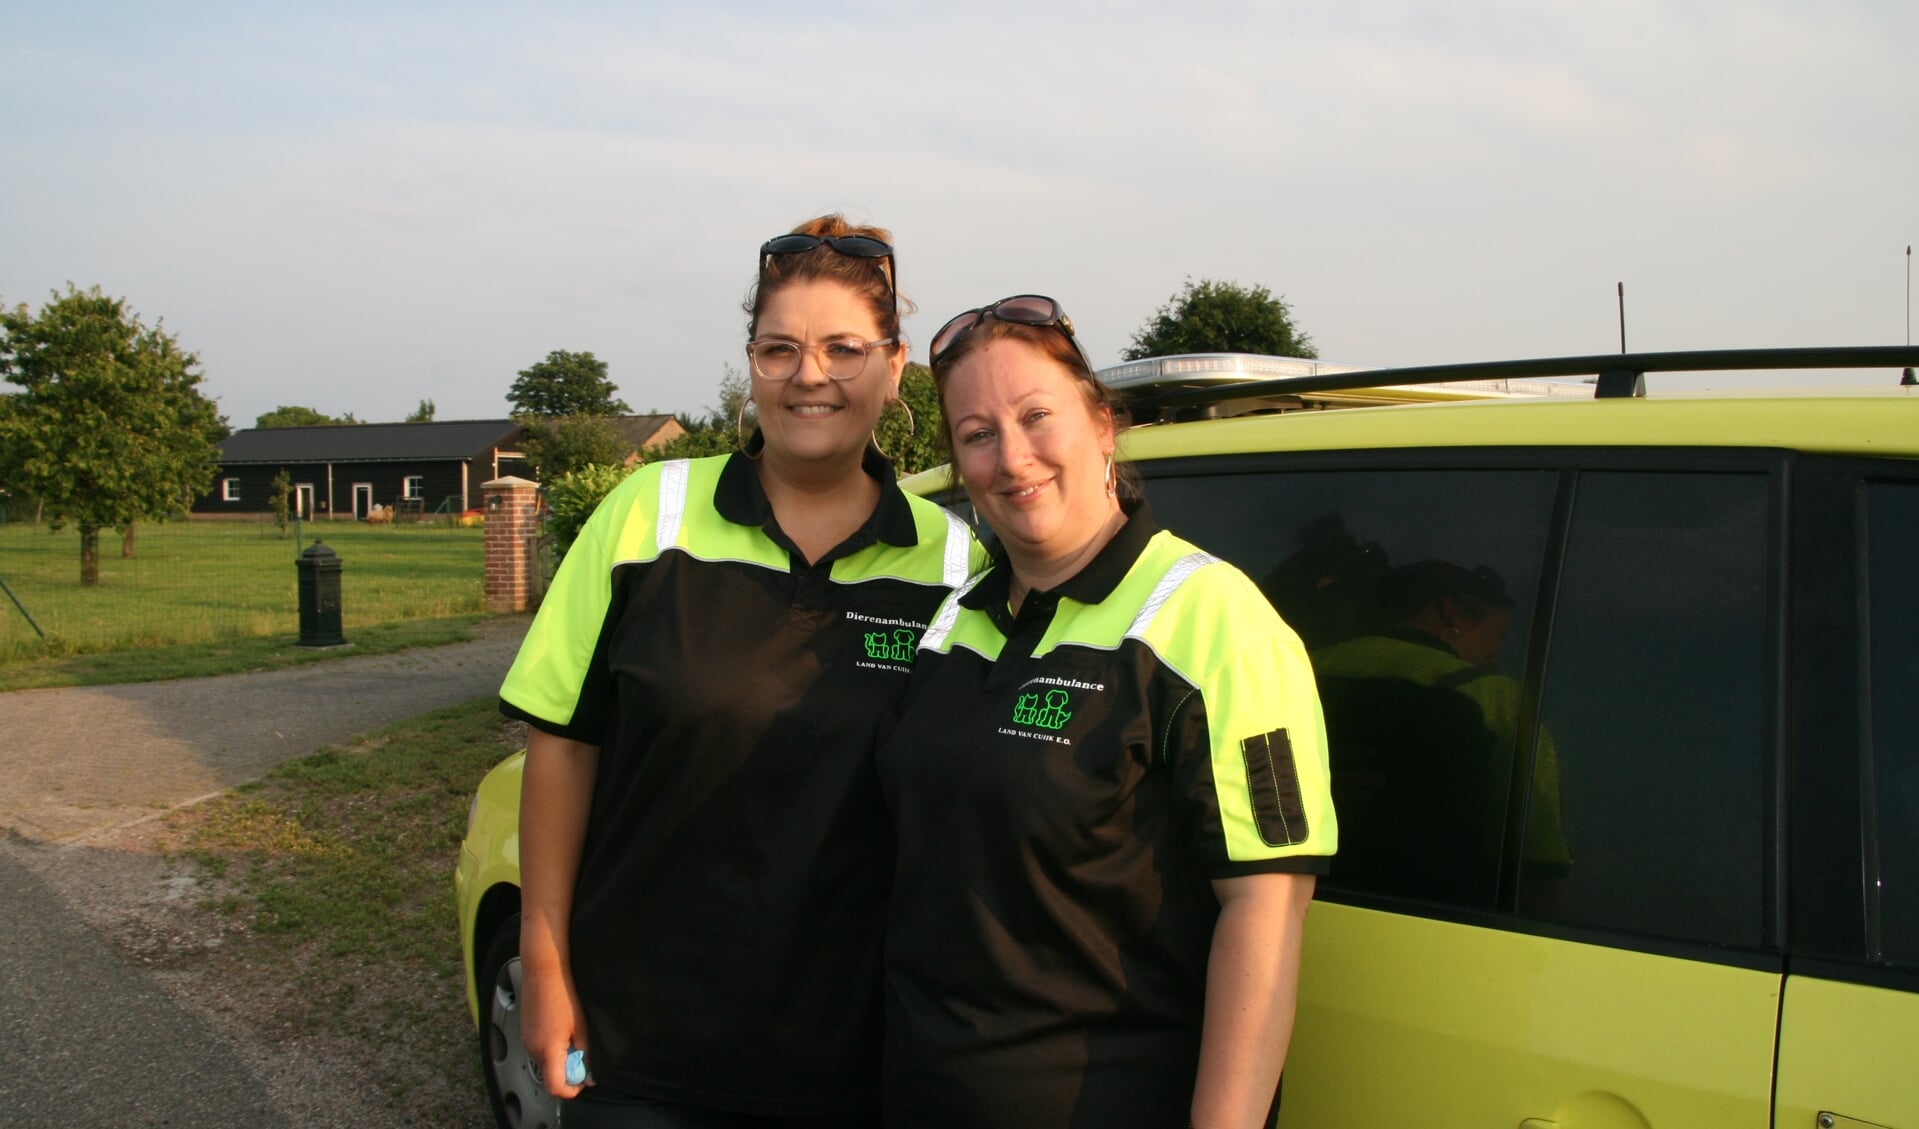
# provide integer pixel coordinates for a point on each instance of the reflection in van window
(1413, 590)
(1427, 728)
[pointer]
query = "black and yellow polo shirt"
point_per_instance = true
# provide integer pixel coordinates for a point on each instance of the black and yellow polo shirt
(1065, 783)
(726, 921)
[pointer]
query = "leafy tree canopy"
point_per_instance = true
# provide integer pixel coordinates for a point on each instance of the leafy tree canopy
(296, 416)
(914, 441)
(572, 498)
(720, 430)
(559, 446)
(1221, 317)
(565, 384)
(111, 427)
(423, 413)
(280, 498)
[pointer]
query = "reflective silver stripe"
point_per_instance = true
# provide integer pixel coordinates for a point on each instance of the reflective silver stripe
(959, 545)
(1163, 591)
(942, 625)
(666, 526)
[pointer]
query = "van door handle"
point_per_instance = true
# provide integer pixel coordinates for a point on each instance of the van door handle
(1538, 1123)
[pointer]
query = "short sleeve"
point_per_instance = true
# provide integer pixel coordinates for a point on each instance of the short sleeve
(1246, 738)
(553, 683)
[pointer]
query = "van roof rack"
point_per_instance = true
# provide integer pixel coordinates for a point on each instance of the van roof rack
(1199, 384)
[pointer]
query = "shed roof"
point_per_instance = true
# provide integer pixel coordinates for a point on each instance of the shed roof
(369, 442)
(642, 431)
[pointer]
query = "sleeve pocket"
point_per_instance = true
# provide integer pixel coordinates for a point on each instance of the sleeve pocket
(1272, 783)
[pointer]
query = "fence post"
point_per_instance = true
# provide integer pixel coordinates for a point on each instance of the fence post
(512, 523)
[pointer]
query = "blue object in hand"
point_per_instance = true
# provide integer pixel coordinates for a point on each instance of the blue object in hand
(575, 1067)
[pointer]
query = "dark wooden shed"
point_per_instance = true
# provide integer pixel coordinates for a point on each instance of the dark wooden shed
(344, 471)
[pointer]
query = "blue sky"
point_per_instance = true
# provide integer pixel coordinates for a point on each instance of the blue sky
(358, 206)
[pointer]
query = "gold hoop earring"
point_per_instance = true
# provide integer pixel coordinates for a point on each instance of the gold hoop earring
(874, 439)
(739, 429)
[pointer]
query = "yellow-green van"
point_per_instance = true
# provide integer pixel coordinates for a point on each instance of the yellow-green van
(1623, 696)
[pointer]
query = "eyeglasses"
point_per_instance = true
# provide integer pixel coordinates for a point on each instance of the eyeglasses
(1024, 309)
(855, 246)
(843, 358)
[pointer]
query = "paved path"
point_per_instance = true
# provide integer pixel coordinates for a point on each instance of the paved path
(88, 1038)
(78, 761)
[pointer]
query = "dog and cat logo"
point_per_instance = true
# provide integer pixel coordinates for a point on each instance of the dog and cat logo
(896, 647)
(1052, 715)
(1043, 706)
(888, 644)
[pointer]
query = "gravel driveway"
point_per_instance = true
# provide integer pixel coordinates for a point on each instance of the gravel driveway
(90, 1035)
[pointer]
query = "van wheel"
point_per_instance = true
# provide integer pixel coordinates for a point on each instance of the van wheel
(519, 1100)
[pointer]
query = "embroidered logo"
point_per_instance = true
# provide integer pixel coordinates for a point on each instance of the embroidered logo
(1052, 715)
(894, 647)
(1041, 712)
(886, 644)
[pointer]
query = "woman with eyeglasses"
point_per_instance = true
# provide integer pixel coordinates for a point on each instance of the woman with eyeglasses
(1109, 782)
(704, 854)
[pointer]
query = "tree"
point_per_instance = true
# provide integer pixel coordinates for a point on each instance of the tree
(722, 429)
(572, 498)
(562, 445)
(111, 427)
(913, 441)
(295, 416)
(565, 384)
(279, 497)
(423, 413)
(11, 493)
(697, 443)
(1221, 317)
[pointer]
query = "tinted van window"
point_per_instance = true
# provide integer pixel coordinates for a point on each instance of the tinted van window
(1413, 590)
(1648, 809)
(1893, 584)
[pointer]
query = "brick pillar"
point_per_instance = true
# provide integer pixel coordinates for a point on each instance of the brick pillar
(512, 523)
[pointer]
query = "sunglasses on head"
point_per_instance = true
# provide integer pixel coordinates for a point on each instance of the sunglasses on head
(852, 246)
(1022, 309)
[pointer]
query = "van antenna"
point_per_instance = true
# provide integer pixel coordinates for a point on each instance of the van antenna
(1622, 309)
(1907, 377)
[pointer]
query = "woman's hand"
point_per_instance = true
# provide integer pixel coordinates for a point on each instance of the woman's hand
(1252, 982)
(556, 786)
(551, 1022)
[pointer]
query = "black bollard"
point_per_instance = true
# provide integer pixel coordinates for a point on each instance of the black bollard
(319, 597)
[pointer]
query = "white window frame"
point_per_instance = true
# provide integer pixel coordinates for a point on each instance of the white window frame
(229, 489)
(413, 486)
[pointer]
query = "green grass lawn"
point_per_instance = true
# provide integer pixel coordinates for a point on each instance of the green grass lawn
(205, 583)
(337, 871)
(228, 656)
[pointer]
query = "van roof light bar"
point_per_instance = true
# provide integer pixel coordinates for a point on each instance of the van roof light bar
(1188, 368)
(1620, 374)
